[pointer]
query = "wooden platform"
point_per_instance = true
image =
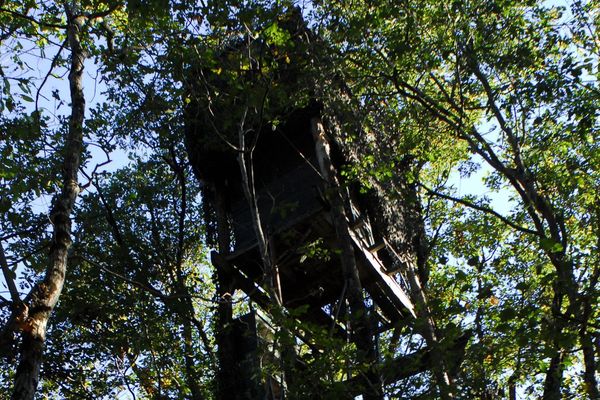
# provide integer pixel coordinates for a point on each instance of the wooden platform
(312, 276)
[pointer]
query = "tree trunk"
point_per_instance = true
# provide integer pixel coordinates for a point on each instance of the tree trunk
(226, 368)
(190, 373)
(45, 294)
(589, 359)
(554, 373)
(553, 381)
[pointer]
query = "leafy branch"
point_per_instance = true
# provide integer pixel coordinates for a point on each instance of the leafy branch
(481, 208)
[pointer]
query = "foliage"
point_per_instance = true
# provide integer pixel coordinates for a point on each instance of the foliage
(129, 287)
(510, 83)
(499, 97)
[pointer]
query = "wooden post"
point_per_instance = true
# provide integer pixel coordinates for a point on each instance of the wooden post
(226, 378)
(361, 333)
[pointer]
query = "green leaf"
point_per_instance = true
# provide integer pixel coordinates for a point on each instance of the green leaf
(276, 35)
(550, 245)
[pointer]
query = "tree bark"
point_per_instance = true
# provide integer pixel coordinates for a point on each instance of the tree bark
(589, 358)
(554, 373)
(190, 373)
(553, 381)
(45, 294)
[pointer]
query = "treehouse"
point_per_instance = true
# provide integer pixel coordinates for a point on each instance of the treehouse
(287, 225)
(296, 217)
(291, 202)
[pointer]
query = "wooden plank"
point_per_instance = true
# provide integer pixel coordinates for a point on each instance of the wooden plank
(389, 284)
(314, 315)
(376, 247)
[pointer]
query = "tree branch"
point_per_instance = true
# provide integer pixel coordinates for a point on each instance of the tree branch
(31, 19)
(8, 277)
(52, 65)
(146, 287)
(484, 209)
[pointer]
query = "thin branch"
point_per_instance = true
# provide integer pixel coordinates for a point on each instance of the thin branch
(512, 139)
(115, 230)
(29, 254)
(10, 282)
(203, 337)
(23, 232)
(124, 376)
(476, 141)
(8, 34)
(531, 198)
(102, 14)
(90, 177)
(179, 172)
(31, 19)
(147, 288)
(484, 209)
(447, 95)
(52, 65)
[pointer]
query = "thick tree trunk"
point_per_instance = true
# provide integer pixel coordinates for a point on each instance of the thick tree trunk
(359, 315)
(589, 375)
(554, 373)
(226, 378)
(589, 358)
(45, 294)
(190, 373)
(553, 381)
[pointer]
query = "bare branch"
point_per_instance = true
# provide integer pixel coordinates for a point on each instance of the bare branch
(52, 65)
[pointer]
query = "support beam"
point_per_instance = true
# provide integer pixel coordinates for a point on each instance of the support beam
(314, 315)
(412, 364)
(386, 282)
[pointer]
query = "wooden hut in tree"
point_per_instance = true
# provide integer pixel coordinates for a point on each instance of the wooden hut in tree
(290, 233)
